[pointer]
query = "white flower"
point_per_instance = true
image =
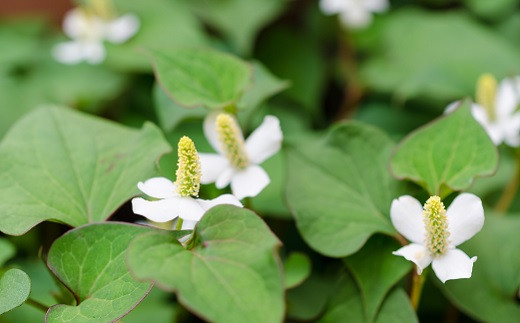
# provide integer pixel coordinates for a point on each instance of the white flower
(237, 160)
(178, 199)
(88, 31)
(354, 13)
(435, 233)
(496, 109)
(170, 205)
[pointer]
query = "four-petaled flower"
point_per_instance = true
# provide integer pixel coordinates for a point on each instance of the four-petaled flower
(237, 160)
(496, 109)
(354, 13)
(88, 31)
(178, 199)
(435, 233)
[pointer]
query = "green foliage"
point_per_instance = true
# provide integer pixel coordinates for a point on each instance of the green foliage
(232, 251)
(90, 261)
(66, 166)
(201, 77)
(15, 287)
(491, 293)
(7, 251)
(297, 268)
(446, 154)
(337, 201)
(376, 271)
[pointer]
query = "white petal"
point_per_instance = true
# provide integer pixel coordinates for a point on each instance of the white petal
(210, 131)
(68, 52)
(168, 209)
(222, 199)
(465, 218)
(265, 141)
(74, 23)
(331, 7)
(416, 253)
(249, 182)
(454, 264)
(452, 107)
(508, 97)
(188, 224)
(356, 18)
(493, 130)
(94, 52)
(121, 29)
(511, 127)
(158, 187)
(224, 178)
(376, 5)
(406, 215)
(212, 166)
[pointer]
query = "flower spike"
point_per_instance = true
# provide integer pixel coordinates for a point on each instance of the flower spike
(188, 168)
(436, 226)
(231, 140)
(486, 94)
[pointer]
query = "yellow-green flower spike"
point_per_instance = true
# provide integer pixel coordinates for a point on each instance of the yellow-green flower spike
(436, 223)
(188, 168)
(101, 8)
(231, 141)
(486, 94)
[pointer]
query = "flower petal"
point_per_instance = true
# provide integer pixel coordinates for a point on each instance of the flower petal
(494, 130)
(222, 199)
(511, 127)
(465, 218)
(158, 187)
(210, 131)
(249, 182)
(265, 141)
(330, 7)
(454, 264)
(93, 51)
(406, 215)
(188, 224)
(376, 5)
(212, 166)
(168, 209)
(68, 52)
(452, 107)
(225, 178)
(121, 29)
(356, 17)
(508, 97)
(416, 253)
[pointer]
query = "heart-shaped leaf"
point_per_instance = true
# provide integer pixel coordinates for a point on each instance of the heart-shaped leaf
(15, 287)
(449, 152)
(376, 270)
(197, 77)
(232, 273)
(339, 188)
(70, 167)
(491, 294)
(90, 261)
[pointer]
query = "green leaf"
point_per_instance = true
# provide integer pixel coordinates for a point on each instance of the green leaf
(156, 306)
(347, 306)
(449, 152)
(376, 270)
(58, 164)
(264, 85)
(238, 20)
(491, 293)
(195, 77)
(171, 114)
(7, 251)
(297, 268)
(90, 261)
(231, 274)
(162, 23)
(15, 287)
(339, 188)
(492, 9)
(436, 72)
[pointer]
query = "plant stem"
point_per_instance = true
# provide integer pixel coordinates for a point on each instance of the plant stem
(417, 287)
(36, 304)
(509, 193)
(178, 225)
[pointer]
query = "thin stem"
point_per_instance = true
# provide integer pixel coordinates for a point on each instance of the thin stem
(34, 303)
(417, 287)
(509, 193)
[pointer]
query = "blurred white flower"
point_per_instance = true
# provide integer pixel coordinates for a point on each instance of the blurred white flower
(497, 109)
(435, 233)
(237, 160)
(354, 13)
(178, 200)
(88, 31)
